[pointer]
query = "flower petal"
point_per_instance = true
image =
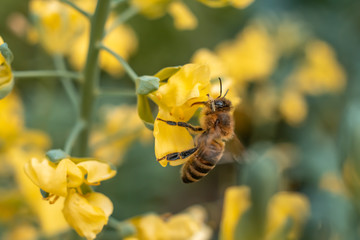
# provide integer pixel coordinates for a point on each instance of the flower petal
(87, 214)
(96, 171)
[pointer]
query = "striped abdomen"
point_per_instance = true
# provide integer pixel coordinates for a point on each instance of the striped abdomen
(202, 162)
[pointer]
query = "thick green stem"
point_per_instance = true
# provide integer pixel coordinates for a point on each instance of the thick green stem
(91, 72)
(46, 74)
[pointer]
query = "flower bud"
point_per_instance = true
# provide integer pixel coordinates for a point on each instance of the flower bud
(147, 84)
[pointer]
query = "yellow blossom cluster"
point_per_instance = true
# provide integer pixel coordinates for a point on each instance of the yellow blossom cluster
(182, 226)
(253, 57)
(184, 19)
(86, 211)
(282, 207)
(62, 30)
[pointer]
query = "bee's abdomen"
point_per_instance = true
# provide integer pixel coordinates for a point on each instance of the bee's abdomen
(195, 169)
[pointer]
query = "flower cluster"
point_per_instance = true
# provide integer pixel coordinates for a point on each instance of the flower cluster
(59, 175)
(253, 58)
(62, 30)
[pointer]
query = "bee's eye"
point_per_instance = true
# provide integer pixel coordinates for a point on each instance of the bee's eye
(219, 104)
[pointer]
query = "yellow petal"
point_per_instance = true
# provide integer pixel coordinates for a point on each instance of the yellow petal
(293, 107)
(223, 3)
(54, 178)
(284, 205)
(170, 139)
(151, 8)
(236, 202)
(96, 171)
(87, 214)
(183, 17)
(6, 77)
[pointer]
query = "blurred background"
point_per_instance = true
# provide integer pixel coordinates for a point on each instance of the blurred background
(293, 67)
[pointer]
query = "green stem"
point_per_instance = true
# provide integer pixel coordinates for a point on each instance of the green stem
(115, 3)
(73, 135)
(46, 74)
(77, 8)
(123, 17)
(70, 90)
(91, 71)
(126, 66)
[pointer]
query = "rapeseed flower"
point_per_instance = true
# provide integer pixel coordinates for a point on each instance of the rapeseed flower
(189, 84)
(6, 76)
(183, 226)
(87, 212)
(223, 3)
(281, 207)
(56, 25)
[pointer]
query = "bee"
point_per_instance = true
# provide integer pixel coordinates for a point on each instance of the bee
(216, 127)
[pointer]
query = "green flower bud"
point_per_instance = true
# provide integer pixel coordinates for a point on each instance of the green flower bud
(147, 84)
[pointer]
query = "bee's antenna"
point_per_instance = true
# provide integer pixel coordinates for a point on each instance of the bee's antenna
(226, 93)
(220, 88)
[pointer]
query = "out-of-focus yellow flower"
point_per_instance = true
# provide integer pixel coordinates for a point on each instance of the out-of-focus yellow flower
(182, 226)
(251, 56)
(87, 214)
(6, 76)
(11, 120)
(183, 17)
(236, 202)
(293, 107)
(151, 8)
(121, 40)
(50, 217)
(223, 3)
(122, 126)
(265, 103)
(321, 72)
(205, 56)
(188, 85)
(57, 25)
(281, 207)
(22, 231)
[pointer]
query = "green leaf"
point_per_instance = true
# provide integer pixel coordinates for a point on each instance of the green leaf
(144, 111)
(167, 72)
(6, 52)
(147, 84)
(56, 155)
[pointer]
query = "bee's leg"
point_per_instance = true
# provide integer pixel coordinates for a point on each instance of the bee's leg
(182, 124)
(178, 155)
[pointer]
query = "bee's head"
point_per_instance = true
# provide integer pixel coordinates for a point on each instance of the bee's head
(218, 104)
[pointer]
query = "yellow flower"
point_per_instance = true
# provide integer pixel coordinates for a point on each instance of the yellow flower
(122, 126)
(321, 72)
(251, 56)
(11, 120)
(281, 207)
(223, 3)
(293, 107)
(188, 85)
(57, 25)
(121, 40)
(151, 8)
(183, 226)
(87, 214)
(183, 17)
(57, 178)
(6, 76)
(54, 178)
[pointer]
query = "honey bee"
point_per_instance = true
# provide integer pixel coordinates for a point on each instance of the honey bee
(217, 126)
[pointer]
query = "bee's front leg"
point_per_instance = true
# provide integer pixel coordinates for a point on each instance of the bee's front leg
(178, 155)
(182, 124)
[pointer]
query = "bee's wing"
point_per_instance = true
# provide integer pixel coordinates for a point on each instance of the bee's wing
(234, 151)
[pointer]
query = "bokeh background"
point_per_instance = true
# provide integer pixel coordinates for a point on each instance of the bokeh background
(310, 135)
